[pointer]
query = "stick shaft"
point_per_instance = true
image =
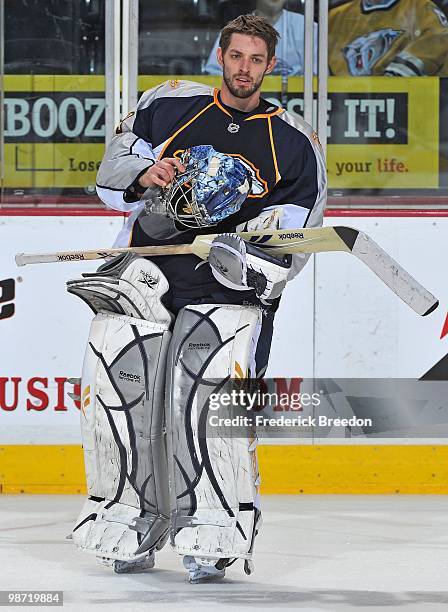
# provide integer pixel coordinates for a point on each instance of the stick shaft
(24, 259)
(280, 242)
(307, 240)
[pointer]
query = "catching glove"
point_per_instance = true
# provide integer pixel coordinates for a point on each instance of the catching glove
(241, 266)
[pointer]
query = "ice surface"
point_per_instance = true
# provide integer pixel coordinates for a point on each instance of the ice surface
(313, 553)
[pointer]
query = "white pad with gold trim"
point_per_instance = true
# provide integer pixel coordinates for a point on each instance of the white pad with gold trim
(213, 473)
(122, 411)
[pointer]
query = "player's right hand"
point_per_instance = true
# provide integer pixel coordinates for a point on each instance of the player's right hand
(161, 173)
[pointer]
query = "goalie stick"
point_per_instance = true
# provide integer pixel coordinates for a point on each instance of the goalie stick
(281, 242)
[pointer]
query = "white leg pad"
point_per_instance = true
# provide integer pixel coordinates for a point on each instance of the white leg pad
(214, 480)
(122, 423)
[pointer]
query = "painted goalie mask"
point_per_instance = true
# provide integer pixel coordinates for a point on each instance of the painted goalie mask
(213, 187)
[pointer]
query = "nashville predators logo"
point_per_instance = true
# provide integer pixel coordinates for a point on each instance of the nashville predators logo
(315, 137)
(363, 53)
(174, 83)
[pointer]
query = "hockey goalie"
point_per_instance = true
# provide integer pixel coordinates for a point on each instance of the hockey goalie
(189, 160)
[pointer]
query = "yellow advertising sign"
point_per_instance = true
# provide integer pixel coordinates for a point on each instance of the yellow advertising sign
(388, 136)
(383, 132)
(63, 165)
(54, 131)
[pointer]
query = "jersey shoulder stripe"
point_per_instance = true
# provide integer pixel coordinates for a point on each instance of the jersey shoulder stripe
(174, 89)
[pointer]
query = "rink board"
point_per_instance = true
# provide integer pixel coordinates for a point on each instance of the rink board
(285, 469)
(362, 330)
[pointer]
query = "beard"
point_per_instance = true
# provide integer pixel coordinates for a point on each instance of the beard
(241, 92)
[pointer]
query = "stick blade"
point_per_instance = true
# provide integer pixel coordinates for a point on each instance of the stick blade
(431, 308)
(394, 276)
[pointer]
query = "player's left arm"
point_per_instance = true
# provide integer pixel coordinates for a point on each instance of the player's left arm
(297, 201)
(300, 197)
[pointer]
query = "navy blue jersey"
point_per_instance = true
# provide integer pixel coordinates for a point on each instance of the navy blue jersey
(280, 150)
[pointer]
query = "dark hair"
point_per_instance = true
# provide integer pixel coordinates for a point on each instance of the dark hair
(250, 25)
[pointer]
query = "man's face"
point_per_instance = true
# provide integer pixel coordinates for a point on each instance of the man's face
(244, 64)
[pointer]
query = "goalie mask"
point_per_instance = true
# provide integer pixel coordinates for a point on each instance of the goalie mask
(213, 187)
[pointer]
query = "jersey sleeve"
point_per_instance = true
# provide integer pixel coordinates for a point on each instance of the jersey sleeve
(128, 155)
(301, 195)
